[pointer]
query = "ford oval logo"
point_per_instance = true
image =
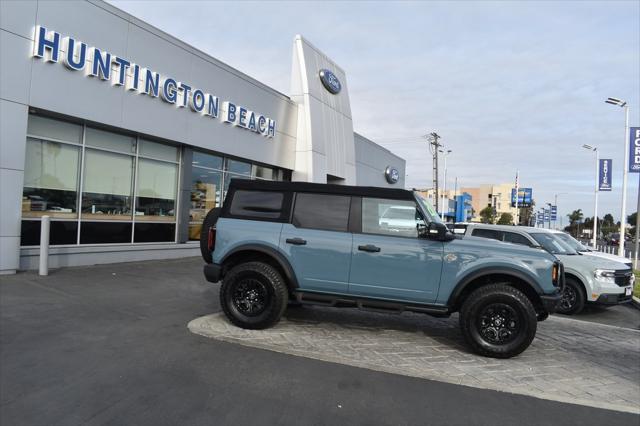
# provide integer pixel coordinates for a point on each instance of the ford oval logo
(392, 174)
(330, 81)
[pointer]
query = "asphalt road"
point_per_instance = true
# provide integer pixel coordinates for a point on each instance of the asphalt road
(108, 345)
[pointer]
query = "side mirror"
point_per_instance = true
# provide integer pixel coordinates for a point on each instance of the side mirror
(439, 232)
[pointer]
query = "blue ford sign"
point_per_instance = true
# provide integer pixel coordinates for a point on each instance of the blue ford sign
(330, 81)
(634, 148)
(604, 175)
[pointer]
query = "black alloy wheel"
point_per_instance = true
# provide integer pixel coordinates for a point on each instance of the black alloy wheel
(250, 297)
(498, 323)
(569, 299)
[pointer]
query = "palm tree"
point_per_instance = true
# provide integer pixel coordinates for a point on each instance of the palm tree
(575, 216)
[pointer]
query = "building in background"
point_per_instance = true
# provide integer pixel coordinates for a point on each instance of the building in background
(497, 196)
(126, 136)
(458, 204)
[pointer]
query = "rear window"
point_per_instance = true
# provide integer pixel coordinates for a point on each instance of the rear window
(487, 233)
(322, 211)
(257, 204)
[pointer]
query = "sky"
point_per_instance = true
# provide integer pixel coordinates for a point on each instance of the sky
(507, 85)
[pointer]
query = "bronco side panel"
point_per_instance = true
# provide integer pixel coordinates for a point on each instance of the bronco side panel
(232, 233)
(463, 257)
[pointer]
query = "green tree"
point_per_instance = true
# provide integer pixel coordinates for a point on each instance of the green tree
(505, 219)
(575, 217)
(488, 215)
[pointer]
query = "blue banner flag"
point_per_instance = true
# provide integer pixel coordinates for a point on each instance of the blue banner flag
(634, 149)
(604, 174)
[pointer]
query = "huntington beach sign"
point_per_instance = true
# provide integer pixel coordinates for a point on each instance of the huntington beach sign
(78, 56)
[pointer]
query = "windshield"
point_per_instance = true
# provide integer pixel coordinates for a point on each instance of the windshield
(572, 242)
(552, 244)
(432, 215)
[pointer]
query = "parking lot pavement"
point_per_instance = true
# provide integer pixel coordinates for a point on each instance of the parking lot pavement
(570, 361)
(109, 345)
(626, 315)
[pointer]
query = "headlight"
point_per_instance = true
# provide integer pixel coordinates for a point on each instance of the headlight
(605, 275)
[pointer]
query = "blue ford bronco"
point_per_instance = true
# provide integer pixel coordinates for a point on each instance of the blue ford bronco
(278, 243)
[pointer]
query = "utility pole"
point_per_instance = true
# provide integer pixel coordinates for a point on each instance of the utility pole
(433, 138)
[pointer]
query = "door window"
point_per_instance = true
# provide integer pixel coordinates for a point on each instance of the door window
(399, 218)
(322, 211)
(511, 237)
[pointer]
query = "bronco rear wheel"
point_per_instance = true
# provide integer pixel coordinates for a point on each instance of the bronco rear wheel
(253, 295)
(498, 321)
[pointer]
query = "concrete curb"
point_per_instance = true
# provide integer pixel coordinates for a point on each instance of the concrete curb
(635, 302)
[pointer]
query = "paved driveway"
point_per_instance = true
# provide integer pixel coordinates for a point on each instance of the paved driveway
(109, 345)
(569, 360)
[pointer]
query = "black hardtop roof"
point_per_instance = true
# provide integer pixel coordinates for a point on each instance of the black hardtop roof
(323, 188)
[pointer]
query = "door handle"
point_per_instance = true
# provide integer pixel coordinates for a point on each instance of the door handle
(370, 248)
(296, 241)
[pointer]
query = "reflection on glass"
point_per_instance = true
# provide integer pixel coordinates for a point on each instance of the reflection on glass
(265, 173)
(200, 159)
(111, 141)
(50, 179)
(229, 176)
(205, 195)
(54, 129)
(106, 190)
(158, 151)
(156, 190)
(239, 167)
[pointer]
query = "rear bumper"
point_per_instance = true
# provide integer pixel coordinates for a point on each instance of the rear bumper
(550, 302)
(212, 272)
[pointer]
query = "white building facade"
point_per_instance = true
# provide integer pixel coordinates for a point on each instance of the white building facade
(125, 136)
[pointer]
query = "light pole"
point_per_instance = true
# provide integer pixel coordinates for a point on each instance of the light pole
(555, 202)
(595, 205)
(444, 183)
(623, 218)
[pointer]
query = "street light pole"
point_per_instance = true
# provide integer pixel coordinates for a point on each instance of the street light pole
(444, 185)
(555, 201)
(595, 205)
(623, 218)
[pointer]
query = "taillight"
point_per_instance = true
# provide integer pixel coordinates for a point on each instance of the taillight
(211, 238)
(555, 274)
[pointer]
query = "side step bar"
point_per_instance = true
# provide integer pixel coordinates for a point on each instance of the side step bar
(372, 305)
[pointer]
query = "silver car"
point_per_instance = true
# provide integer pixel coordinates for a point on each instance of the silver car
(589, 279)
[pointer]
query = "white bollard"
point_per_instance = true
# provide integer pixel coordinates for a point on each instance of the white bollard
(45, 225)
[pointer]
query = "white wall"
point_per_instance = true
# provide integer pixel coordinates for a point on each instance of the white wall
(325, 144)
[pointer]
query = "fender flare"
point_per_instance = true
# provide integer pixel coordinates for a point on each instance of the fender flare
(271, 252)
(472, 276)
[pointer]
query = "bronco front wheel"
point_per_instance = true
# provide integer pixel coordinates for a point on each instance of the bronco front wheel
(498, 321)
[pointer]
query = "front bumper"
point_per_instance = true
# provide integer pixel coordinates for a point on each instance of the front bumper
(213, 272)
(550, 302)
(613, 299)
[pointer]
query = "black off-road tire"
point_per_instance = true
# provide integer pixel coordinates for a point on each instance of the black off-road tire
(209, 221)
(573, 298)
(265, 280)
(497, 299)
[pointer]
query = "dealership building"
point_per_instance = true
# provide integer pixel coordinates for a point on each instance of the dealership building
(126, 136)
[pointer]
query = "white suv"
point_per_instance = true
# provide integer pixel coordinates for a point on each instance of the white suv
(589, 279)
(582, 249)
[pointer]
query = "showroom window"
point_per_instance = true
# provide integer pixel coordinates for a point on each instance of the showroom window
(104, 187)
(98, 186)
(207, 190)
